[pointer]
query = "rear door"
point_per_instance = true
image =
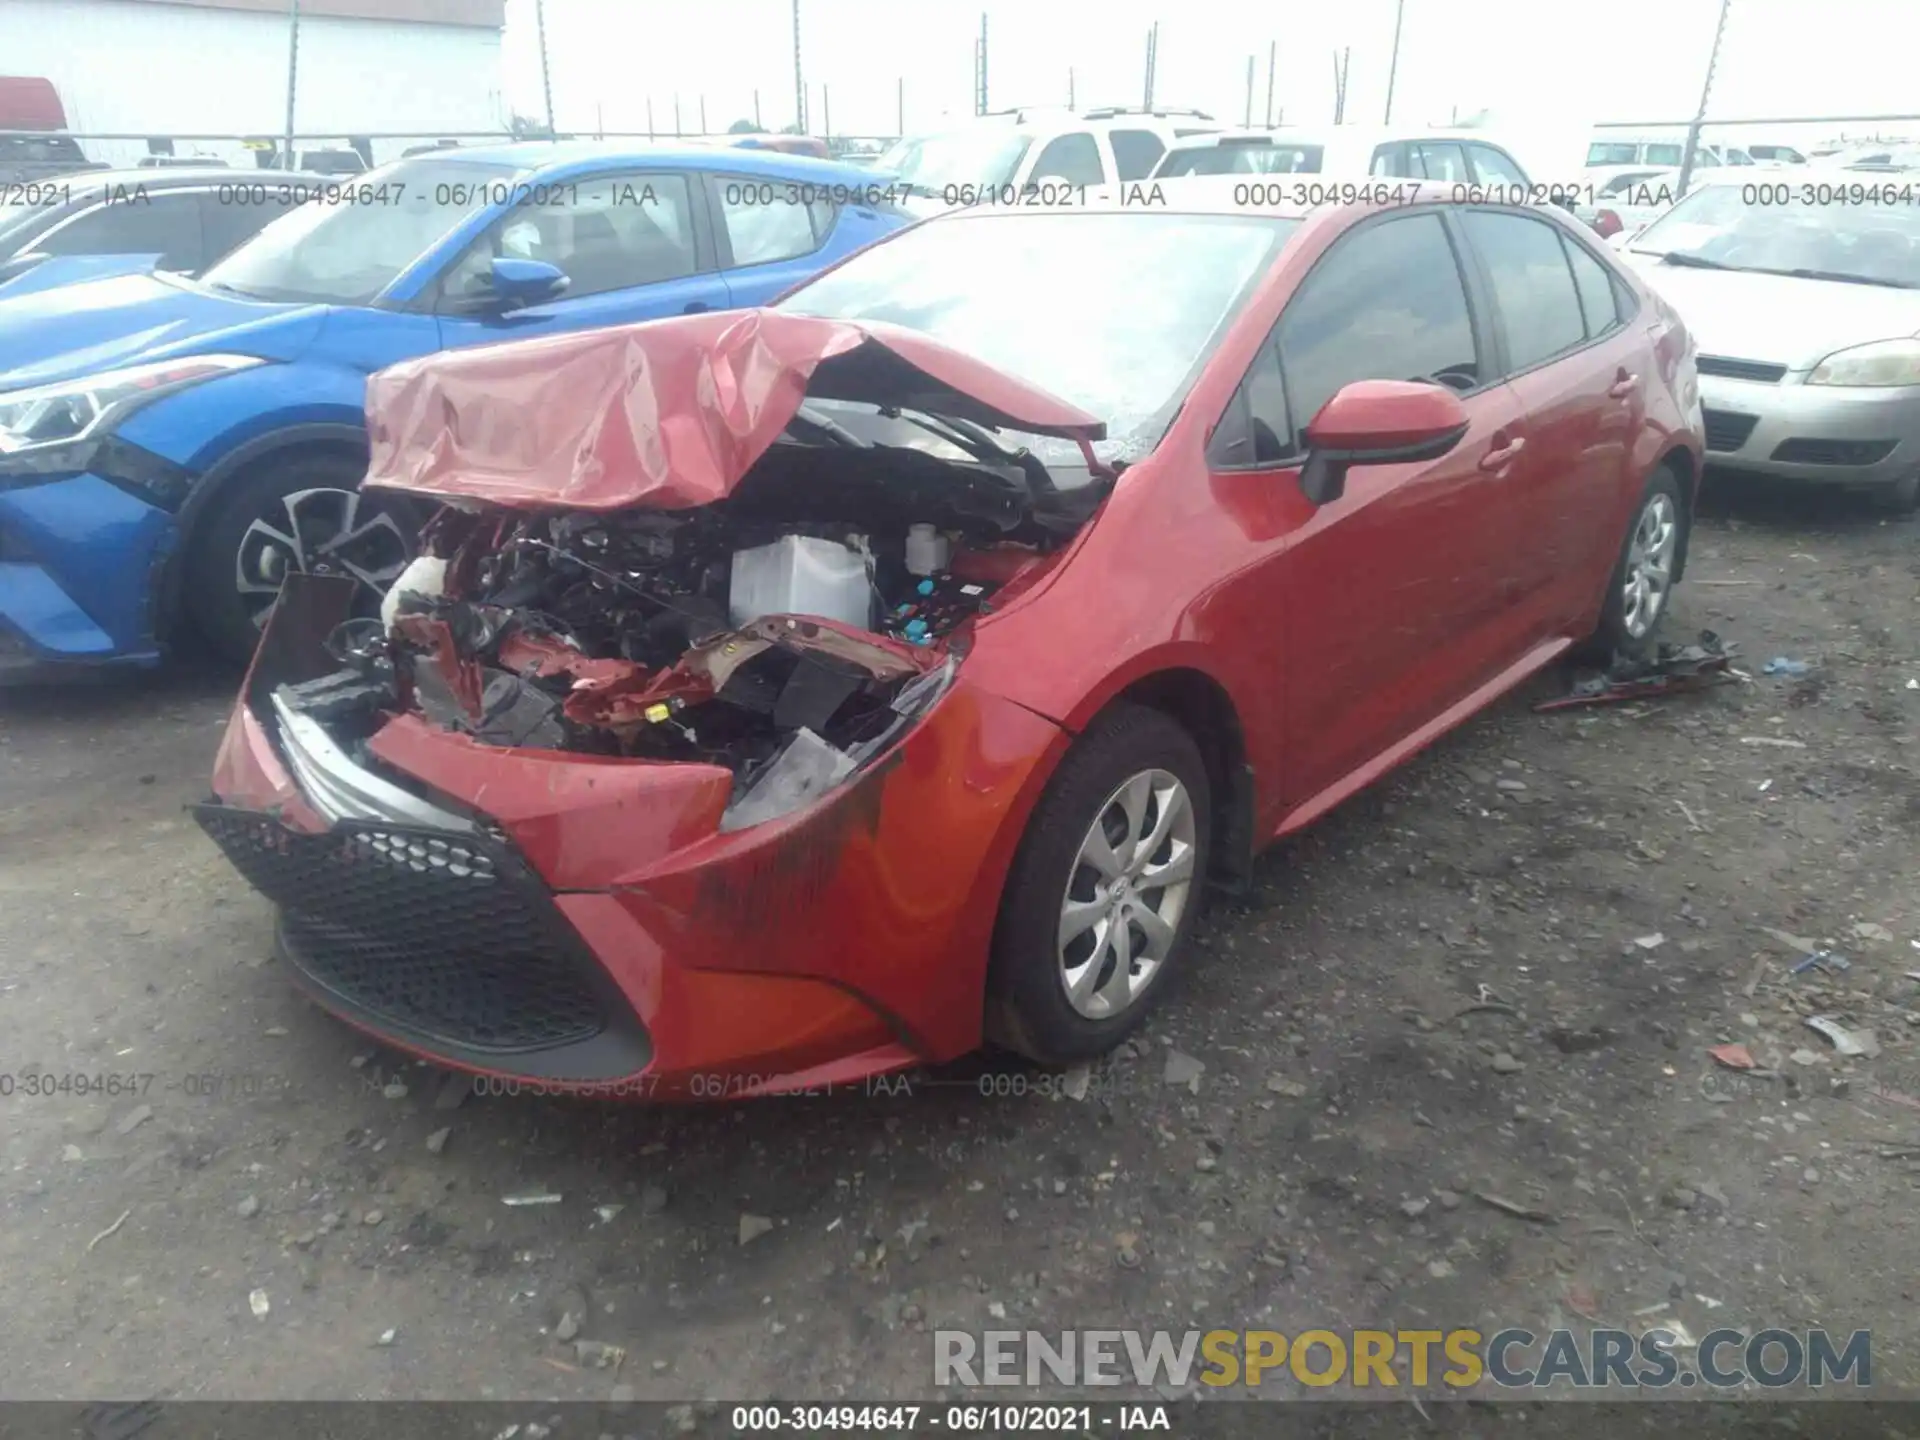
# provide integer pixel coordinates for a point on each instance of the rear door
(1391, 592)
(1070, 159)
(1577, 372)
(634, 246)
(768, 234)
(1135, 153)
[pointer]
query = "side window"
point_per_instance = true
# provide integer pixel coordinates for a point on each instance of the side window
(1441, 160)
(1663, 155)
(1492, 166)
(1135, 153)
(607, 233)
(764, 222)
(1532, 284)
(1392, 160)
(1256, 430)
(1073, 158)
(1386, 303)
(225, 223)
(1598, 297)
(161, 223)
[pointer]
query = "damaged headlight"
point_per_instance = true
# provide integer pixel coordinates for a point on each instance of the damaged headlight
(70, 410)
(808, 767)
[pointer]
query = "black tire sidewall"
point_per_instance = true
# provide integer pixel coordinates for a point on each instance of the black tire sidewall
(209, 598)
(1612, 638)
(1028, 1010)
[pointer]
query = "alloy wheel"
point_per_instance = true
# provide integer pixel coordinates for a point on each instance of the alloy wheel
(320, 532)
(1648, 576)
(1126, 892)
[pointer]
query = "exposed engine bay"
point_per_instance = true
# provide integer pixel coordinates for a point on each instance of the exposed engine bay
(787, 632)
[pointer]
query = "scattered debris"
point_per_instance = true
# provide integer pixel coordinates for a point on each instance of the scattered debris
(134, 1119)
(1781, 665)
(1674, 670)
(1780, 741)
(1845, 1042)
(394, 1089)
(1183, 1069)
(437, 1141)
(1650, 942)
(752, 1227)
(1792, 942)
(258, 1302)
(598, 1354)
(545, 1197)
(1868, 930)
(1822, 960)
(1075, 1082)
(124, 1214)
(1280, 1085)
(1504, 1063)
(248, 1208)
(1513, 1207)
(1734, 1057)
(387, 1337)
(1414, 1209)
(608, 1213)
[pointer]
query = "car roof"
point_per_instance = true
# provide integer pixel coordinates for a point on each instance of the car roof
(561, 157)
(1293, 197)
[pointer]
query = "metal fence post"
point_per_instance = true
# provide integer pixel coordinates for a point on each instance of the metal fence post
(1706, 91)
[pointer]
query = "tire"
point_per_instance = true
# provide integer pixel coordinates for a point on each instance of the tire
(1130, 753)
(1626, 630)
(1902, 497)
(240, 552)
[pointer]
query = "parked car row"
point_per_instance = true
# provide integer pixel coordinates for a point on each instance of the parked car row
(703, 623)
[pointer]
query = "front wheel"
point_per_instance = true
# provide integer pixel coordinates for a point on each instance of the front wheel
(1103, 891)
(1641, 586)
(304, 513)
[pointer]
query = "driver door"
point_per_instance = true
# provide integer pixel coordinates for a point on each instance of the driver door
(1393, 595)
(634, 246)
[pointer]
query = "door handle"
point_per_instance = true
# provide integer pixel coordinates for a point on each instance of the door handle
(1624, 386)
(696, 307)
(1499, 459)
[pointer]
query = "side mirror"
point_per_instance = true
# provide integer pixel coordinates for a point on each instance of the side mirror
(1378, 422)
(515, 284)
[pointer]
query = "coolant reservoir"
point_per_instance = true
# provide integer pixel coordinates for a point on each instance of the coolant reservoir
(425, 576)
(927, 550)
(800, 575)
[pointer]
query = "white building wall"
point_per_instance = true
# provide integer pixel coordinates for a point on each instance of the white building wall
(127, 66)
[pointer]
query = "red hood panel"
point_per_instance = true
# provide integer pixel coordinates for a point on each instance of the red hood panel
(668, 413)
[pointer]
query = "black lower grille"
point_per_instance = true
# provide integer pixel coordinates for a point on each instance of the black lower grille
(1762, 370)
(447, 938)
(1834, 452)
(1726, 430)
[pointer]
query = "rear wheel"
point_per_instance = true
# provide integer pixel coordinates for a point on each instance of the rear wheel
(1103, 891)
(1641, 585)
(302, 513)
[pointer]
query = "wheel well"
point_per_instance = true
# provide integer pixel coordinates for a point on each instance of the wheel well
(1204, 710)
(172, 609)
(1680, 461)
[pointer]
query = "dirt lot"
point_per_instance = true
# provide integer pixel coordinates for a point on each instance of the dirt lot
(1318, 1166)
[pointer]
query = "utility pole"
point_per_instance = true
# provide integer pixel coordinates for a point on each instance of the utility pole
(756, 111)
(676, 114)
(1341, 59)
(1248, 122)
(980, 68)
(1153, 55)
(826, 113)
(799, 83)
(1273, 58)
(1706, 90)
(900, 106)
(546, 76)
(293, 71)
(1070, 104)
(649, 117)
(1393, 65)
(703, 116)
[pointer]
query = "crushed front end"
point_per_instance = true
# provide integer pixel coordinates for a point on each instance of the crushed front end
(673, 800)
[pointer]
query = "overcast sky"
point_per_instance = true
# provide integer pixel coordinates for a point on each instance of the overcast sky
(1622, 59)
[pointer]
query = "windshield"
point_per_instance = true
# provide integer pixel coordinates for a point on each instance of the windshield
(930, 163)
(1872, 240)
(349, 244)
(1059, 300)
(1241, 160)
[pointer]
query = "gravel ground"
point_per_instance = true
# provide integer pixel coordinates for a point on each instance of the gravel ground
(1450, 989)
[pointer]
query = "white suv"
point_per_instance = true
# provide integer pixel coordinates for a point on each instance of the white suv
(1465, 156)
(998, 157)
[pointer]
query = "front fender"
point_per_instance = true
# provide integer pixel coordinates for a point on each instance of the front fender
(200, 427)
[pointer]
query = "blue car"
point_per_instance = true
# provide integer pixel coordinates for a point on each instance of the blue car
(171, 448)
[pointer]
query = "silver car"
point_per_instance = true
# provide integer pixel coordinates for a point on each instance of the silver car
(1806, 308)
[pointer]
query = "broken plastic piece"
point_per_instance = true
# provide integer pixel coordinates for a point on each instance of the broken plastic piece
(796, 777)
(1674, 670)
(1781, 665)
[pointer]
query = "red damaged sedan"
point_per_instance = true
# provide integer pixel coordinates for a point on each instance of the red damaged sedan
(791, 696)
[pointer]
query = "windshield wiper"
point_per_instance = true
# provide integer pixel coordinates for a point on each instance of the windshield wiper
(972, 438)
(1697, 262)
(1843, 277)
